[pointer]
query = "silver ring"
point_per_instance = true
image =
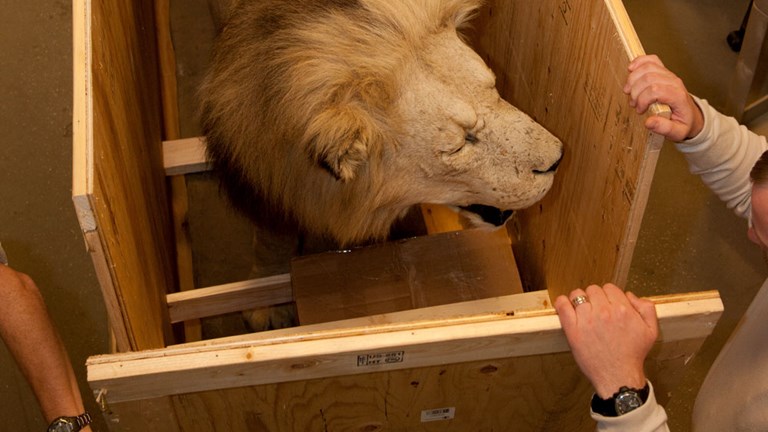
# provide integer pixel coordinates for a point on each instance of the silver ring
(579, 300)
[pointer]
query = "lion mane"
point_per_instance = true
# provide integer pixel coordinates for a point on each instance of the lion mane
(297, 107)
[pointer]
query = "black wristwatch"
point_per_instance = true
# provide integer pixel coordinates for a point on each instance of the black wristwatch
(623, 401)
(70, 424)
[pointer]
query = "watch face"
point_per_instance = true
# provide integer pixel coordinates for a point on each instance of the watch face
(627, 401)
(62, 425)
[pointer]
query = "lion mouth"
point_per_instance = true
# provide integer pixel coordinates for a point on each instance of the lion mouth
(489, 214)
(552, 168)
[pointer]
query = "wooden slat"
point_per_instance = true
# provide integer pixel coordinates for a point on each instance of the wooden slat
(565, 64)
(626, 33)
(118, 186)
(439, 218)
(185, 156)
(183, 370)
(233, 297)
(167, 63)
(178, 184)
(82, 113)
(527, 304)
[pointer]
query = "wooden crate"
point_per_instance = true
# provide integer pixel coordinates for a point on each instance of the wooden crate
(482, 365)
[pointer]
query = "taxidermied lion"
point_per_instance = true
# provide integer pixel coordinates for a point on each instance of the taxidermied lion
(342, 114)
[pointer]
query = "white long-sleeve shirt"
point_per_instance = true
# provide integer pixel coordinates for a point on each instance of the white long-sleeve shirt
(734, 395)
(650, 417)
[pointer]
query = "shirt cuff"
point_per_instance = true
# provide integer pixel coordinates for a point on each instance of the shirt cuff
(649, 417)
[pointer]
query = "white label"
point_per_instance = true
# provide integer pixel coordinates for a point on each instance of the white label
(438, 414)
(381, 358)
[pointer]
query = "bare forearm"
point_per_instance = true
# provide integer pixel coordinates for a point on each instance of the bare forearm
(34, 343)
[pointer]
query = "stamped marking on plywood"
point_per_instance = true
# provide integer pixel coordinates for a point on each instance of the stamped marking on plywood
(596, 97)
(380, 358)
(565, 10)
(438, 414)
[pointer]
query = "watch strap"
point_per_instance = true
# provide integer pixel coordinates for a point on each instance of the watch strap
(83, 420)
(79, 422)
(607, 407)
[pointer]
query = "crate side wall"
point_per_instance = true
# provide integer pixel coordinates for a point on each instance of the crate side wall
(565, 64)
(129, 197)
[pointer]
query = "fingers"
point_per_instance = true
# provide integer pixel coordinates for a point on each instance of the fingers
(644, 60)
(615, 295)
(649, 85)
(647, 311)
(565, 312)
(639, 68)
(576, 293)
(597, 297)
(650, 82)
(568, 312)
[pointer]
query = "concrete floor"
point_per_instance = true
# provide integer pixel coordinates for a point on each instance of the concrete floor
(689, 241)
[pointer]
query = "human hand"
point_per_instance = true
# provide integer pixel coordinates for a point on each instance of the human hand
(610, 335)
(649, 82)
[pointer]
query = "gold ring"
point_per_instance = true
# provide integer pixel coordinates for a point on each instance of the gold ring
(579, 300)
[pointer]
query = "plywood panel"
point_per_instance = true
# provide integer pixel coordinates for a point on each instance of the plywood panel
(151, 415)
(509, 394)
(118, 184)
(565, 63)
(407, 274)
(520, 394)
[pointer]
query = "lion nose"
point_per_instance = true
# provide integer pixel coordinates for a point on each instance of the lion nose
(552, 168)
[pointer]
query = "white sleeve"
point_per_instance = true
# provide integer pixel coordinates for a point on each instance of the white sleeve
(650, 417)
(723, 154)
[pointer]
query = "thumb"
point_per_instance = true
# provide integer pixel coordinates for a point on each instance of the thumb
(670, 129)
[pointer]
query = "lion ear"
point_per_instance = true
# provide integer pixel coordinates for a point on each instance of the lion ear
(340, 139)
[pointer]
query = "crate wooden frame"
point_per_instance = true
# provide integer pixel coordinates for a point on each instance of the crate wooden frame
(496, 362)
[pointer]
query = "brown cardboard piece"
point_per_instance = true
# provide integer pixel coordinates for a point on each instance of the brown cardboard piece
(407, 274)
